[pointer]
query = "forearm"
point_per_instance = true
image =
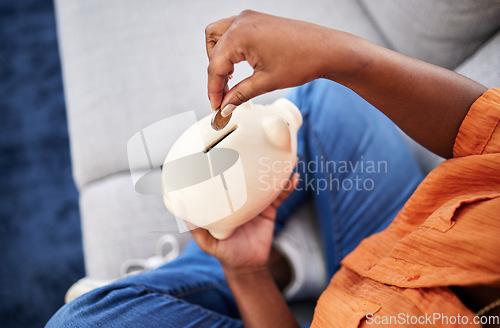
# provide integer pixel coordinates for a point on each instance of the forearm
(258, 299)
(426, 101)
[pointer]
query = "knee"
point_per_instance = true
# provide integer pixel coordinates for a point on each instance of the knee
(80, 312)
(101, 307)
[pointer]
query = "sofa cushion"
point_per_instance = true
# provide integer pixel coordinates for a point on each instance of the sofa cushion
(120, 224)
(441, 32)
(484, 65)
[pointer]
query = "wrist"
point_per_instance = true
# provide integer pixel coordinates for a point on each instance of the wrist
(346, 57)
(246, 272)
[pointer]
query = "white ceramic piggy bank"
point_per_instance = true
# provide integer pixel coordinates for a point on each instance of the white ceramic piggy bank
(219, 180)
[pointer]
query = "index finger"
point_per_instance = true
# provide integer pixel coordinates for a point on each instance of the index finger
(204, 239)
(219, 68)
(214, 31)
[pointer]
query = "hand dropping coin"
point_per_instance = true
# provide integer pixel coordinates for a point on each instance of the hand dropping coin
(219, 122)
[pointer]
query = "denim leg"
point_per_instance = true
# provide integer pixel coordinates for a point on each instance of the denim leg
(190, 291)
(353, 163)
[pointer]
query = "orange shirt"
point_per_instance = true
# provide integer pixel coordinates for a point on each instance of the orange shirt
(448, 233)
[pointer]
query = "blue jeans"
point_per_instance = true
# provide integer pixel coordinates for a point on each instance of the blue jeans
(354, 165)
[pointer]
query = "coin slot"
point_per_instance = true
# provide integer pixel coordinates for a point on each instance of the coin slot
(215, 143)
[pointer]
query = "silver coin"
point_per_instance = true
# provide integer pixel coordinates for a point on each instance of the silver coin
(218, 121)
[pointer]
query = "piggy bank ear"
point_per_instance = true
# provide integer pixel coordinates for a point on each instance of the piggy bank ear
(277, 132)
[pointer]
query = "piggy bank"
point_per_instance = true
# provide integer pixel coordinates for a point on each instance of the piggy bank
(220, 180)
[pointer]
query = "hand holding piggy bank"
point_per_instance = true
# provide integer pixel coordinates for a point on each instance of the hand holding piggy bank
(220, 180)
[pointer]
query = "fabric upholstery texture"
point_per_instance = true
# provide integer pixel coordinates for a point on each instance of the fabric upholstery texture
(443, 32)
(121, 225)
(483, 65)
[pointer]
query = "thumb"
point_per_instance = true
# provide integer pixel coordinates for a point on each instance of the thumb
(204, 239)
(251, 87)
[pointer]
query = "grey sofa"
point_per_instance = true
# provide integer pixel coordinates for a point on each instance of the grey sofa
(130, 63)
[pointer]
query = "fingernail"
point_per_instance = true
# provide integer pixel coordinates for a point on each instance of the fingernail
(227, 110)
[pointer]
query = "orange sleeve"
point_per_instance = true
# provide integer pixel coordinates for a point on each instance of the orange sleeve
(479, 133)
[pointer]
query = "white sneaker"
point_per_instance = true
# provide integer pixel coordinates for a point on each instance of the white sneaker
(299, 243)
(167, 249)
(83, 286)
